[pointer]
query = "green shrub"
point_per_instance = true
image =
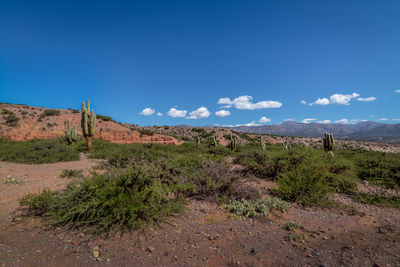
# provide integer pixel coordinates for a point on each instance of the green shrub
(104, 118)
(11, 120)
(39, 204)
(258, 207)
(117, 201)
(383, 201)
(12, 180)
(381, 169)
(71, 173)
(143, 132)
(6, 112)
(49, 112)
(290, 226)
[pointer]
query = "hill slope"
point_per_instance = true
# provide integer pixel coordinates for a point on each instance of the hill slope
(21, 122)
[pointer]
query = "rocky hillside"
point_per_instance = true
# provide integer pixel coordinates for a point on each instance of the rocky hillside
(21, 122)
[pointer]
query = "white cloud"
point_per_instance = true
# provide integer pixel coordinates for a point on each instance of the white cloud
(397, 91)
(159, 114)
(303, 102)
(324, 121)
(396, 120)
(342, 121)
(264, 119)
(308, 120)
(366, 99)
(245, 102)
(342, 99)
(222, 113)
(147, 112)
(253, 123)
(321, 101)
(175, 113)
(200, 113)
(289, 119)
(383, 119)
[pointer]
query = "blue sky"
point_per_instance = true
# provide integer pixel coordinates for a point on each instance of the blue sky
(318, 60)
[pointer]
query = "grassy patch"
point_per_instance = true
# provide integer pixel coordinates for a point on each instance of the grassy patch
(257, 207)
(291, 226)
(71, 173)
(393, 202)
(38, 151)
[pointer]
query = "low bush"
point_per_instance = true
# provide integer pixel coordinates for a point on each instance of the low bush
(117, 201)
(49, 112)
(39, 204)
(104, 118)
(290, 226)
(257, 208)
(380, 168)
(71, 173)
(383, 201)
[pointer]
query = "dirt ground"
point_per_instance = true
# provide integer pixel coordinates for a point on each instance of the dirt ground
(359, 235)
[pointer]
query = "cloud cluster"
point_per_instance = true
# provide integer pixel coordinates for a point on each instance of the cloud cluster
(397, 91)
(264, 119)
(366, 99)
(200, 113)
(308, 120)
(176, 113)
(339, 99)
(253, 123)
(147, 112)
(222, 113)
(343, 121)
(245, 103)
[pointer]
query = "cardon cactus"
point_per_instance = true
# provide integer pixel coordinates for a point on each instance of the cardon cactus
(328, 142)
(262, 144)
(71, 135)
(233, 143)
(285, 146)
(215, 142)
(88, 123)
(198, 140)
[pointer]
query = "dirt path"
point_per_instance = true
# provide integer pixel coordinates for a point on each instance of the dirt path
(204, 236)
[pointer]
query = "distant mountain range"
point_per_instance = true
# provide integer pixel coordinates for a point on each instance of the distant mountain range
(371, 131)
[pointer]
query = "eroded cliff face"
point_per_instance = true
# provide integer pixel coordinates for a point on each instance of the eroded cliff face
(33, 125)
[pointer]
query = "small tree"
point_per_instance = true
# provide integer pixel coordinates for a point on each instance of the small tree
(88, 123)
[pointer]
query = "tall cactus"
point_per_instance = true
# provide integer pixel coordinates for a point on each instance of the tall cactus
(233, 143)
(328, 142)
(88, 123)
(262, 144)
(198, 140)
(215, 142)
(71, 135)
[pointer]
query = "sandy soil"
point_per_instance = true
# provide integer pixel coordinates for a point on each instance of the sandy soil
(205, 236)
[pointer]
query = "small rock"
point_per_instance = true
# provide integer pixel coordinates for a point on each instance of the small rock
(96, 253)
(255, 251)
(325, 238)
(382, 231)
(151, 249)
